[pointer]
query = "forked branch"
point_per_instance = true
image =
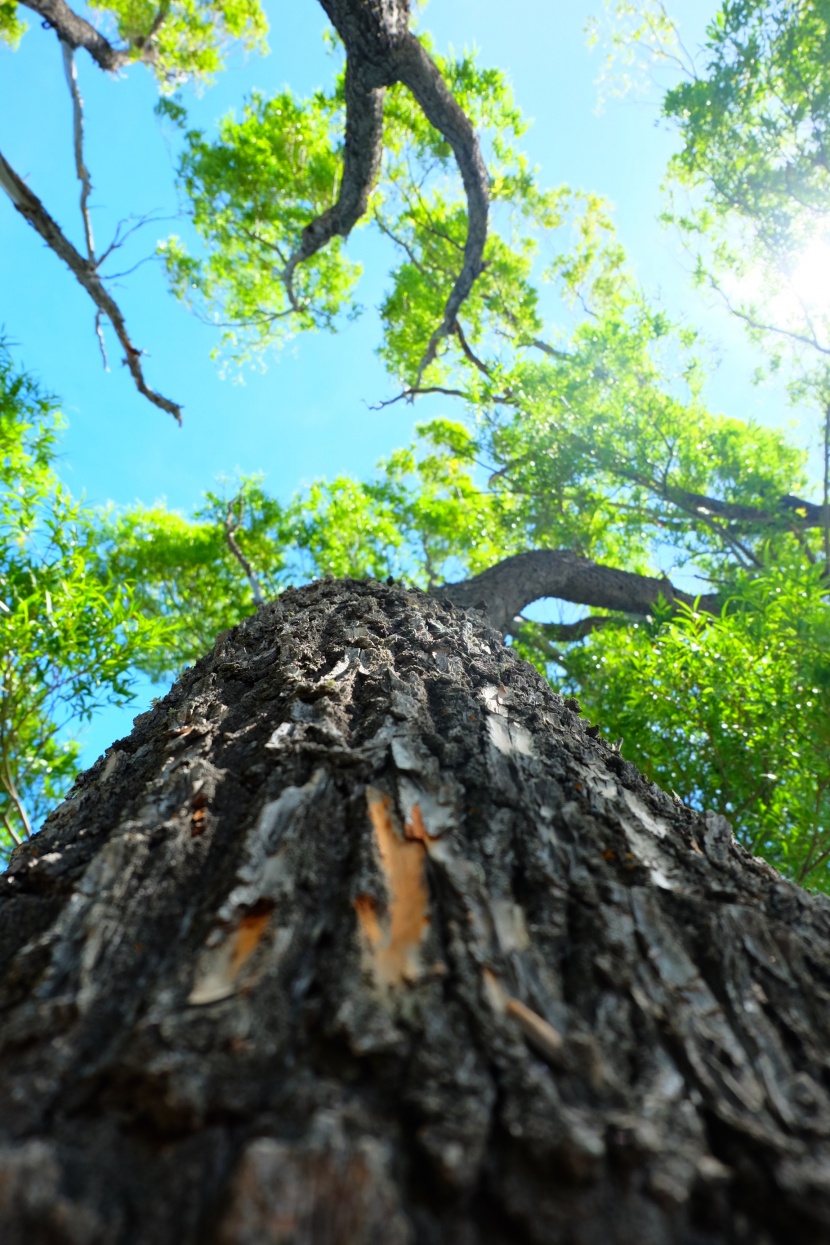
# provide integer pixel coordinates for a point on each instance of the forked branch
(382, 51)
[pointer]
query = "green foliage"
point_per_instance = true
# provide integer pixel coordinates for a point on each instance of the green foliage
(586, 425)
(589, 434)
(252, 191)
(68, 636)
(179, 39)
(419, 518)
(251, 194)
(12, 28)
(751, 180)
(188, 37)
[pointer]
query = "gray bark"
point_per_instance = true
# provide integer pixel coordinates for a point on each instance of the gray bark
(359, 938)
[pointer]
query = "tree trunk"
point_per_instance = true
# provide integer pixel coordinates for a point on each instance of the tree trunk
(361, 938)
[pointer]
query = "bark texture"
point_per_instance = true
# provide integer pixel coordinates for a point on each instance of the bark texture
(360, 939)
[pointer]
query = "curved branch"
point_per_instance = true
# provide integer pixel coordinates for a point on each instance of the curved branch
(380, 51)
(30, 207)
(421, 75)
(504, 590)
(77, 32)
(361, 165)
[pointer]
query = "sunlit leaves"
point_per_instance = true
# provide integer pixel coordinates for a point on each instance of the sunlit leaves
(12, 27)
(251, 194)
(731, 712)
(185, 38)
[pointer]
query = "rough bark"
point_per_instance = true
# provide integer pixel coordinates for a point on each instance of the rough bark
(359, 938)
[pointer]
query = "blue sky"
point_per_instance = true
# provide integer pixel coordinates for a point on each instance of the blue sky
(309, 413)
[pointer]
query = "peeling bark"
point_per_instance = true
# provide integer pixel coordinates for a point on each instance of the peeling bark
(361, 938)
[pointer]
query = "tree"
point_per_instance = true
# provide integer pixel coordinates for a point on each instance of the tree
(690, 537)
(361, 936)
(364, 934)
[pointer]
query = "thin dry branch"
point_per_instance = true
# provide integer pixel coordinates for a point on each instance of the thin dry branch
(232, 526)
(78, 144)
(31, 209)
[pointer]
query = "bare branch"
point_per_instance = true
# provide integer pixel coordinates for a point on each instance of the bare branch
(31, 208)
(505, 589)
(78, 144)
(99, 333)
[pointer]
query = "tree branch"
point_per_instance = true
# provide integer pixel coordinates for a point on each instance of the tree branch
(507, 588)
(31, 208)
(568, 633)
(380, 51)
(361, 165)
(421, 75)
(77, 32)
(78, 144)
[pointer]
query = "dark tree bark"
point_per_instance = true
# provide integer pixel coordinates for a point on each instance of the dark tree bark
(359, 938)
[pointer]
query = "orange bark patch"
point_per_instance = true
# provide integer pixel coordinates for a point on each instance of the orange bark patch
(394, 939)
(220, 966)
(247, 938)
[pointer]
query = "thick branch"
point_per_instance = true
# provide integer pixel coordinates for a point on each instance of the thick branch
(31, 208)
(421, 75)
(507, 588)
(77, 32)
(380, 51)
(361, 165)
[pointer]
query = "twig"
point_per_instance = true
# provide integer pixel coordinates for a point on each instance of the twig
(99, 333)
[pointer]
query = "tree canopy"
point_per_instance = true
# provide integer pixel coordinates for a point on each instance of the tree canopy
(578, 457)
